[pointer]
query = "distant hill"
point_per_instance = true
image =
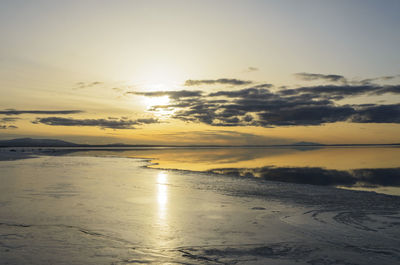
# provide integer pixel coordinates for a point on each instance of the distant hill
(29, 142)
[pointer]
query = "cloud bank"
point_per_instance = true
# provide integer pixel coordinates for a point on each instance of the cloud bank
(260, 106)
(110, 123)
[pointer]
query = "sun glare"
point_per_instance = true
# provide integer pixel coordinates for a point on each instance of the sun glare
(156, 101)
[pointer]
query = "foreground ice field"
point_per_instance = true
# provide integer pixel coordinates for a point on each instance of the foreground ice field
(105, 210)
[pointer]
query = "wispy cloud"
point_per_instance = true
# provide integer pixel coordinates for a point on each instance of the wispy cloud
(312, 77)
(252, 69)
(9, 119)
(381, 78)
(223, 81)
(171, 94)
(19, 112)
(6, 121)
(88, 84)
(111, 123)
(337, 92)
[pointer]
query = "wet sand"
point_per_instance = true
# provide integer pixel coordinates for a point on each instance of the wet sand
(108, 210)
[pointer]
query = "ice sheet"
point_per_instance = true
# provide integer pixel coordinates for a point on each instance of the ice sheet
(97, 210)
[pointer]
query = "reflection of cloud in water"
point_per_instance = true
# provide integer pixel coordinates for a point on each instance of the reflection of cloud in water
(203, 159)
(320, 176)
(371, 167)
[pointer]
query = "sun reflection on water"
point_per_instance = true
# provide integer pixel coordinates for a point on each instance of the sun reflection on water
(162, 197)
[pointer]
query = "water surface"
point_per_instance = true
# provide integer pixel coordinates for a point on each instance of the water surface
(113, 210)
(362, 168)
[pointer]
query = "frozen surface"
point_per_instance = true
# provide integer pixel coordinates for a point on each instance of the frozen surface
(97, 210)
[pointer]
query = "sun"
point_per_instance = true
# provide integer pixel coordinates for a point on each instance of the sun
(151, 102)
(159, 106)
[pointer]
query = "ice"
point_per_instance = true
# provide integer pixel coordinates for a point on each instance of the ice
(110, 210)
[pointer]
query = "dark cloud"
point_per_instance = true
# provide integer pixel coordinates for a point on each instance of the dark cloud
(259, 106)
(19, 112)
(377, 114)
(306, 115)
(394, 89)
(223, 81)
(312, 77)
(336, 92)
(147, 121)
(172, 94)
(110, 123)
(248, 93)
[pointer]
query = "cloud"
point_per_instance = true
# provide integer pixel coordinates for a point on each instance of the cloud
(339, 78)
(381, 78)
(4, 127)
(306, 115)
(303, 106)
(248, 92)
(9, 119)
(336, 92)
(377, 114)
(19, 112)
(172, 94)
(252, 69)
(312, 77)
(147, 121)
(88, 84)
(110, 123)
(117, 89)
(223, 81)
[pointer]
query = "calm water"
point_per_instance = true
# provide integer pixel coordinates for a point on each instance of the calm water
(361, 168)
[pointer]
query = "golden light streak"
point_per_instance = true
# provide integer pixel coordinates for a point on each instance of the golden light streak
(162, 197)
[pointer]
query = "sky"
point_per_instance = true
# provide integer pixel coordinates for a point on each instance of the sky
(201, 72)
